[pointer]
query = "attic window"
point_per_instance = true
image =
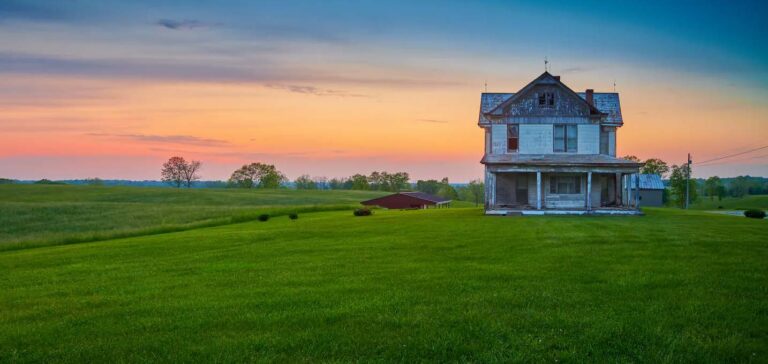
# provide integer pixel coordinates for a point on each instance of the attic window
(547, 99)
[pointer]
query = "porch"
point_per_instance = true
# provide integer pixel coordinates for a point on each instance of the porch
(560, 191)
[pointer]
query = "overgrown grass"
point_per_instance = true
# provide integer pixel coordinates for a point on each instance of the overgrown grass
(39, 215)
(407, 286)
(732, 203)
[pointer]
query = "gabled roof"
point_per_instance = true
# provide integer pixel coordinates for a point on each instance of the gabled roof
(426, 196)
(417, 195)
(648, 182)
(545, 78)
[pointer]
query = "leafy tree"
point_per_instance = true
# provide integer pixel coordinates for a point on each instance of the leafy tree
(446, 190)
(177, 172)
(304, 182)
(359, 182)
(7, 181)
(336, 183)
(321, 182)
(712, 187)
(740, 186)
(431, 186)
(677, 184)
(655, 166)
(477, 189)
(631, 158)
(257, 175)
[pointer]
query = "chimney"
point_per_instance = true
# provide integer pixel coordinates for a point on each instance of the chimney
(557, 77)
(590, 97)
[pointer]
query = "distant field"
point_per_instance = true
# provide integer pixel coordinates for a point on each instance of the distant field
(35, 215)
(407, 286)
(730, 203)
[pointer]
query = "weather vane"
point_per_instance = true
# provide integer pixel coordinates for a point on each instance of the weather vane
(546, 62)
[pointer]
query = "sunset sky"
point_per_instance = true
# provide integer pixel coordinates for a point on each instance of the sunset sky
(111, 89)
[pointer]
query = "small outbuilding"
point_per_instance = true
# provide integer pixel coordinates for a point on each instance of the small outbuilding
(651, 189)
(408, 200)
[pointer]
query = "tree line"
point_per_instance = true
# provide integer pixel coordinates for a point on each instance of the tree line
(179, 172)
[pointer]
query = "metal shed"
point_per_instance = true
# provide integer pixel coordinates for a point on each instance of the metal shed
(651, 189)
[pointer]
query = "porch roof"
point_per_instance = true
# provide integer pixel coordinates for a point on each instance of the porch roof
(564, 160)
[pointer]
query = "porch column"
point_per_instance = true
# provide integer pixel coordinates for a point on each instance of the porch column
(492, 190)
(637, 191)
(538, 190)
(618, 186)
(589, 191)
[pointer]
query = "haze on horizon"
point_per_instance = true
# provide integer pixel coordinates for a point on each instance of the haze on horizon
(111, 88)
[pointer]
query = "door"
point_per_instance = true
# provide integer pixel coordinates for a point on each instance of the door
(522, 189)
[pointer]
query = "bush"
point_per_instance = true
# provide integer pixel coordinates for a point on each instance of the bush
(263, 217)
(363, 212)
(755, 214)
(293, 216)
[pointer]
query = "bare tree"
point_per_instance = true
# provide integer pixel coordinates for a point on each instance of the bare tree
(190, 172)
(177, 172)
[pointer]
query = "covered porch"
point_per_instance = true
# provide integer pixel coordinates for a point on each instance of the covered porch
(544, 188)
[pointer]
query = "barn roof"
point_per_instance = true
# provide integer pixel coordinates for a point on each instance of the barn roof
(426, 196)
(417, 195)
(648, 182)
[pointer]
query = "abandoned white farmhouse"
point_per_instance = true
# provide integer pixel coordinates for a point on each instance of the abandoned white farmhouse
(551, 150)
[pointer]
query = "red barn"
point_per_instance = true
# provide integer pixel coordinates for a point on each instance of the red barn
(408, 200)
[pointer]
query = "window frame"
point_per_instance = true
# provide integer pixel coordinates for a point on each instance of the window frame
(605, 140)
(572, 185)
(515, 137)
(546, 100)
(569, 138)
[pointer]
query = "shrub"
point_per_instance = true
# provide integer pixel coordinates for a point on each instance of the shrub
(720, 207)
(293, 216)
(263, 217)
(755, 214)
(363, 212)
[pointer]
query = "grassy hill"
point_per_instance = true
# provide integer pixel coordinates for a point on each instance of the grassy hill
(732, 203)
(435, 285)
(37, 215)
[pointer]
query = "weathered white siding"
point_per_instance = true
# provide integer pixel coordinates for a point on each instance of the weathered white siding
(588, 139)
(536, 139)
(499, 138)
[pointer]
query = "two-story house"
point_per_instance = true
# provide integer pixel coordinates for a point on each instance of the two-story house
(549, 149)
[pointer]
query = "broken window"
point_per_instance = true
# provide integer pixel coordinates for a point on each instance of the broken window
(547, 99)
(512, 138)
(565, 138)
(565, 185)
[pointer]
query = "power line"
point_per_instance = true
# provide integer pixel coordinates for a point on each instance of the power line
(732, 155)
(731, 161)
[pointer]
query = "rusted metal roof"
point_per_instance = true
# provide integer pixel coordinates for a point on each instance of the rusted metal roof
(558, 160)
(605, 102)
(649, 182)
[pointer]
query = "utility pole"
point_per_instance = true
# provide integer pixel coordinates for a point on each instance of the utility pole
(687, 181)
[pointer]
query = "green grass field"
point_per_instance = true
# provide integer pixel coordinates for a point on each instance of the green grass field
(427, 285)
(39, 215)
(730, 203)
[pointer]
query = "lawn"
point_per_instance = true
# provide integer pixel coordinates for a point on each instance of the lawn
(38, 215)
(732, 203)
(434, 285)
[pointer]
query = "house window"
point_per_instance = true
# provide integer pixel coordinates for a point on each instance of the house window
(565, 138)
(565, 185)
(547, 99)
(512, 138)
(604, 140)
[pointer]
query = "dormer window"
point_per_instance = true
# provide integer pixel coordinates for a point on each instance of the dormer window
(547, 99)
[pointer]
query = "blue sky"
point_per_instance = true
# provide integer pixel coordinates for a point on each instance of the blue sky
(366, 55)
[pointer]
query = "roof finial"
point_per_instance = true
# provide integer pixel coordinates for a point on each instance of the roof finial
(486, 86)
(546, 63)
(614, 85)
